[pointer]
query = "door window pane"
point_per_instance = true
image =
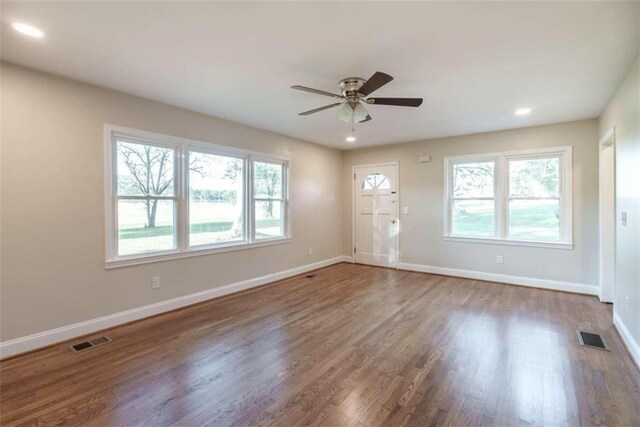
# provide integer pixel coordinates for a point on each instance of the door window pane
(375, 180)
(473, 179)
(534, 219)
(145, 226)
(267, 180)
(534, 177)
(269, 219)
(216, 199)
(144, 170)
(473, 218)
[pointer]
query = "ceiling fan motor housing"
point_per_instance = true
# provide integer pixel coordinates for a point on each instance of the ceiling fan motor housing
(349, 88)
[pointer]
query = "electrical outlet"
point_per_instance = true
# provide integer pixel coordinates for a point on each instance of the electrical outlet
(499, 259)
(623, 218)
(155, 282)
(310, 251)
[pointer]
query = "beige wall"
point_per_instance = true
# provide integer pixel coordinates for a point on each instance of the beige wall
(623, 112)
(53, 204)
(421, 190)
(53, 215)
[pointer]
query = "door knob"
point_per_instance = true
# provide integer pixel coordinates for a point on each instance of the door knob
(393, 221)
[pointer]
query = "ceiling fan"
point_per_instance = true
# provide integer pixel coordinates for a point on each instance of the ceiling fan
(354, 92)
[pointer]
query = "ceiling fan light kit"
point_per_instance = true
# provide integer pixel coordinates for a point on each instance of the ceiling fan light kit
(354, 91)
(359, 113)
(345, 113)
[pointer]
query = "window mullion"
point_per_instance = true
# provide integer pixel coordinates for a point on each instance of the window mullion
(562, 202)
(148, 197)
(503, 201)
(266, 199)
(534, 198)
(114, 241)
(471, 199)
(449, 192)
(250, 205)
(285, 203)
(183, 198)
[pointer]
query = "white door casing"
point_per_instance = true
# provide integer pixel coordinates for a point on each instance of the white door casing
(607, 215)
(375, 223)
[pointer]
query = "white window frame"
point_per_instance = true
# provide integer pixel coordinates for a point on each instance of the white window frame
(501, 196)
(496, 191)
(183, 147)
(283, 199)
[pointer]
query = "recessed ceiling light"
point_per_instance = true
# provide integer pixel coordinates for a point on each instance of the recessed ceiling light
(28, 30)
(523, 111)
(351, 138)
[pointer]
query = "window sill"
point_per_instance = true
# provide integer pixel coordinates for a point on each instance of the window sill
(147, 259)
(529, 243)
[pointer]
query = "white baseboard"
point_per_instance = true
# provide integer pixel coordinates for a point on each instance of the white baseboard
(46, 338)
(627, 338)
(555, 285)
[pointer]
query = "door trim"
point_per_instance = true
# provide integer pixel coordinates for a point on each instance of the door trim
(353, 207)
(606, 290)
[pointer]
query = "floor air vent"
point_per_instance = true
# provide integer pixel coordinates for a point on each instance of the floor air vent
(589, 339)
(81, 346)
(310, 276)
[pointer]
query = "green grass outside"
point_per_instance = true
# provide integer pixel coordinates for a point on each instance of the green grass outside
(530, 222)
(538, 222)
(206, 227)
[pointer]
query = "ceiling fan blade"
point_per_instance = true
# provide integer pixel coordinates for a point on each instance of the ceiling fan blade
(317, 91)
(374, 83)
(315, 110)
(399, 102)
(366, 119)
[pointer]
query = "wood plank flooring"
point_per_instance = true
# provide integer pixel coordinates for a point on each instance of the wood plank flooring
(354, 346)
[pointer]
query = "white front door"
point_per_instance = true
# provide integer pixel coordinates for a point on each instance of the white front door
(376, 224)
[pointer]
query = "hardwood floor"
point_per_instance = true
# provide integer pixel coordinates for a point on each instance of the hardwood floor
(355, 345)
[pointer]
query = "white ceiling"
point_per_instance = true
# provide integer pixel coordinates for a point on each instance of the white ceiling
(473, 63)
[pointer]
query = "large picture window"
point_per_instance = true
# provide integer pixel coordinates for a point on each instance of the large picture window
(169, 197)
(516, 197)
